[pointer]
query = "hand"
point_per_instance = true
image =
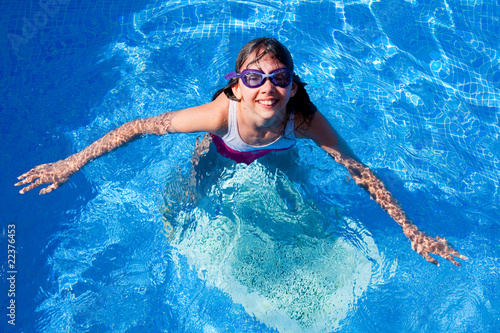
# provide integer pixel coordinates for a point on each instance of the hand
(56, 173)
(424, 244)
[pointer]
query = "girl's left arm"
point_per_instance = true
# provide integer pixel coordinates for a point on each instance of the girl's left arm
(323, 134)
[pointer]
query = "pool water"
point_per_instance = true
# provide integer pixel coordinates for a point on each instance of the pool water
(135, 242)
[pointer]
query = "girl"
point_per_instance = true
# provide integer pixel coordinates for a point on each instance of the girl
(263, 108)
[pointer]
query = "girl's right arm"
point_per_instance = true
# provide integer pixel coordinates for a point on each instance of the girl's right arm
(209, 117)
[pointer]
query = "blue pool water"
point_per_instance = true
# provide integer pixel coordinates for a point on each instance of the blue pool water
(289, 244)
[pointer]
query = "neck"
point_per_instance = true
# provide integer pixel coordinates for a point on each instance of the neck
(255, 130)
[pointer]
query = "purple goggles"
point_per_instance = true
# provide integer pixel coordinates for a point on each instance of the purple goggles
(253, 78)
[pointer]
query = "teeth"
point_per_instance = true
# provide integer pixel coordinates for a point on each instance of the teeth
(266, 102)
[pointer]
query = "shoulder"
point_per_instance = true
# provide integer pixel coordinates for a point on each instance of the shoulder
(220, 112)
(210, 117)
(325, 136)
(317, 129)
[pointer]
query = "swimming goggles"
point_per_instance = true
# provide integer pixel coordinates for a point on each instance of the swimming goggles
(253, 78)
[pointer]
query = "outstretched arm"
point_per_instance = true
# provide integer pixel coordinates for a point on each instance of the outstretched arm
(326, 137)
(59, 172)
(420, 242)
(211, 117)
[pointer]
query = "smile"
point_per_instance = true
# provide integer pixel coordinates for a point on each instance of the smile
(268, 102)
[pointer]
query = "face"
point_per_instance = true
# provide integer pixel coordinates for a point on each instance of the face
(267, 102)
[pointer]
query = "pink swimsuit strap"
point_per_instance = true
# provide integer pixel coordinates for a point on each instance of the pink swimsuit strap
(246, 157)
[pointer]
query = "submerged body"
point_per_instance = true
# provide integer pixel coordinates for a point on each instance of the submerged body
(269, 110)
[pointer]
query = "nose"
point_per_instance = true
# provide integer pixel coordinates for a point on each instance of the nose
(267, 85)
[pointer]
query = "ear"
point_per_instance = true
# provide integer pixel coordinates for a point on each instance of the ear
(236, 91)
(294, 89)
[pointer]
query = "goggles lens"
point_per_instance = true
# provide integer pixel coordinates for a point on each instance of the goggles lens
(253, 78)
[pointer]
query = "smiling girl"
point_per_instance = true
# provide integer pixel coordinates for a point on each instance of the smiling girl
(264, 108)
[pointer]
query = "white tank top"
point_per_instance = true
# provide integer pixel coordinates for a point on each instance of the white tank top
(233, 146)
(234, 141)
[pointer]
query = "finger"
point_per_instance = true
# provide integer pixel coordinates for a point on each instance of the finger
(456, 263)
(23, 182)
(28, 179)
(28, 188)
(449, 249)
(32, 186)
(29, 173)
(429, 258)
(442, 240)
(24, 175)
(455, 253)
(49, 188)
(449, 257)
